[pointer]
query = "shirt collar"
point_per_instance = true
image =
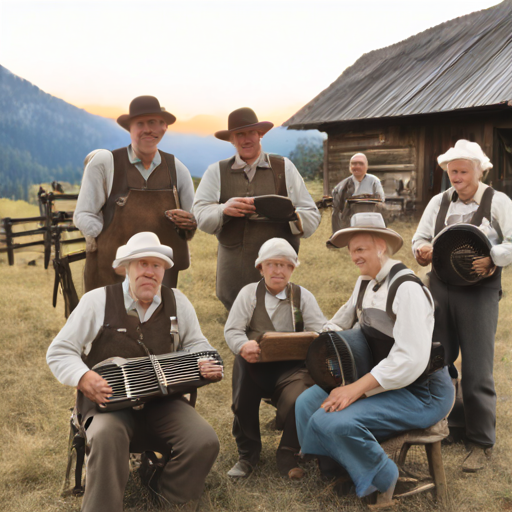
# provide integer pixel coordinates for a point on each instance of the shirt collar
(386, 268)
(282, 295)
(134, 159)
(131, 304)
(261, 161)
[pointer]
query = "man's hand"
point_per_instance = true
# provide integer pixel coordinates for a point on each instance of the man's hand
(424, 255)
(483, 266)
(239, 206)
(211, 370)
(95, 387)
(90, 244)
(182, 219)
(251, 351)
(341, 397)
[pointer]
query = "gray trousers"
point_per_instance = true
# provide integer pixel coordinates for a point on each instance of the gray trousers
(172, 423)
(466, 319)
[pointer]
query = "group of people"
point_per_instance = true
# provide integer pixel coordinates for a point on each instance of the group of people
(137, 210)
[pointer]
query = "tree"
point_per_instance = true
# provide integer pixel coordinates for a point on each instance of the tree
(308, 157)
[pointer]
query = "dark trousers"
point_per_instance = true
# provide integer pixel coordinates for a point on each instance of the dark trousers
(160, 426)
(282, 382)
(466, 319)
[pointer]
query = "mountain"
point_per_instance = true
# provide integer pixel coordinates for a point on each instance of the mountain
(43, 138)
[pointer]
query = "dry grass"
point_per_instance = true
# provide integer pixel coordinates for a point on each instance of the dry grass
(34, 420)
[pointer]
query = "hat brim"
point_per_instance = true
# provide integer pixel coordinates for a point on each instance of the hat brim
(162, 253)
(342, 237)
(263, 126)
(124, 120)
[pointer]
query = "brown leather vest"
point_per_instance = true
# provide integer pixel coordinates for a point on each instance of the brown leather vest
(234, 183)
(260, 322)
(135, 205)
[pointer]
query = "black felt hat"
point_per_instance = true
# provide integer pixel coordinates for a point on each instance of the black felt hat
(143, 106)
(242, 119)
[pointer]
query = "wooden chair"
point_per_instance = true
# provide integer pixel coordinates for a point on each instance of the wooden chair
(397, 449)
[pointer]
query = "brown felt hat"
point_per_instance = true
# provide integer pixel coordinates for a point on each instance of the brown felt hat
(241, 119)
(144, 106)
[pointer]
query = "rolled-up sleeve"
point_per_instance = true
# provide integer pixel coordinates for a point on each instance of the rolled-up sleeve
(305, 207)
(501, 212)
(191, 336)
(412, 332)
(344, 317)
(239, 317)
(207, 209)
(185, 186)
(426, 228)
(94, 192)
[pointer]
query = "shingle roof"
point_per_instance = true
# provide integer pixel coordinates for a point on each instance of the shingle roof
(463, 63)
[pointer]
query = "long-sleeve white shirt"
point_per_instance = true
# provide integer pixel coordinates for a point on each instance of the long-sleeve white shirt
(412, 331)
(209, 212)
(499, 231)
(243, 308)
(97, 185)
(77, 335)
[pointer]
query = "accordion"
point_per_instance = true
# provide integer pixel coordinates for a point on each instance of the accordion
(138, 380)
(454, 250)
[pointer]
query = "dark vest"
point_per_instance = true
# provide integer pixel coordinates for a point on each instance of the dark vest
(234, 183)
(261, 323)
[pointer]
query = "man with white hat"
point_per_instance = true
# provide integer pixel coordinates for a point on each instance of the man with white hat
(225, 203)
(272, 304)
(358, 183)
(127, 320)
(398, 329)
(467, 316)
(133, 189)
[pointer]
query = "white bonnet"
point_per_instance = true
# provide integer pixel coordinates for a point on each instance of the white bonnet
(277, 248)
(465, 150)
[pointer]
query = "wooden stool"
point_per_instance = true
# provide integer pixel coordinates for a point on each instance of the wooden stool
(398, 447)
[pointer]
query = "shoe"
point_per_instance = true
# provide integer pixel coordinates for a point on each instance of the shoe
(242, 469)
(477, 458)
(286, 462)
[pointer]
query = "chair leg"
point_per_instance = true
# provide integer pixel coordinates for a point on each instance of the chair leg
(436, 468)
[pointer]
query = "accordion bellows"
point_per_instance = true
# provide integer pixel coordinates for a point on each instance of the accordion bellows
(137, 380)
(454, 250)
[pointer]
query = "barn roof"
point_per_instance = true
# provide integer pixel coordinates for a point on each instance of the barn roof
(463, 63)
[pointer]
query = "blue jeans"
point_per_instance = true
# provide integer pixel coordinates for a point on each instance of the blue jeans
(351, 436)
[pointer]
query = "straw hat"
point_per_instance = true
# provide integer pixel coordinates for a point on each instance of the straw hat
(143, 245)
(371, 223)
(243, 119)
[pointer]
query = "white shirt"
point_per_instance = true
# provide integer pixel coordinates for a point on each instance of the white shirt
(208, 211)
(243, 308)
(97, 185)
(370, 184)
(459, 211)
(412, 331)
(76, 337)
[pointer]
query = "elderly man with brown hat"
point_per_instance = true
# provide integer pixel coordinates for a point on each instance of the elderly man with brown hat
(467, 312)
(133, 189)
(129, 320)
(228, 203)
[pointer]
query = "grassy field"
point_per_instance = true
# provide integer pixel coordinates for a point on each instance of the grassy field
(35, 407)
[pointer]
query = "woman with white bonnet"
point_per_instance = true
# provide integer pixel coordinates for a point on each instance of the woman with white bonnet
(272, 304)
(467, 315)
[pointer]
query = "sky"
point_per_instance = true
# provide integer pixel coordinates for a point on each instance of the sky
(203, 58)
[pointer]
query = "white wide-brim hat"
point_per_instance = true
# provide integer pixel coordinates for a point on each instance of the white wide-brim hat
(465, 150)
(371, 223)
(277, 248)
(143, 245)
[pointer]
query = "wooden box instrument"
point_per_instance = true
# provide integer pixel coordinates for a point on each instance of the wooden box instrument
(285, 346)
(138, 380)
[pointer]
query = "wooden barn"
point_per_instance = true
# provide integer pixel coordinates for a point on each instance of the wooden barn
(408, 103)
